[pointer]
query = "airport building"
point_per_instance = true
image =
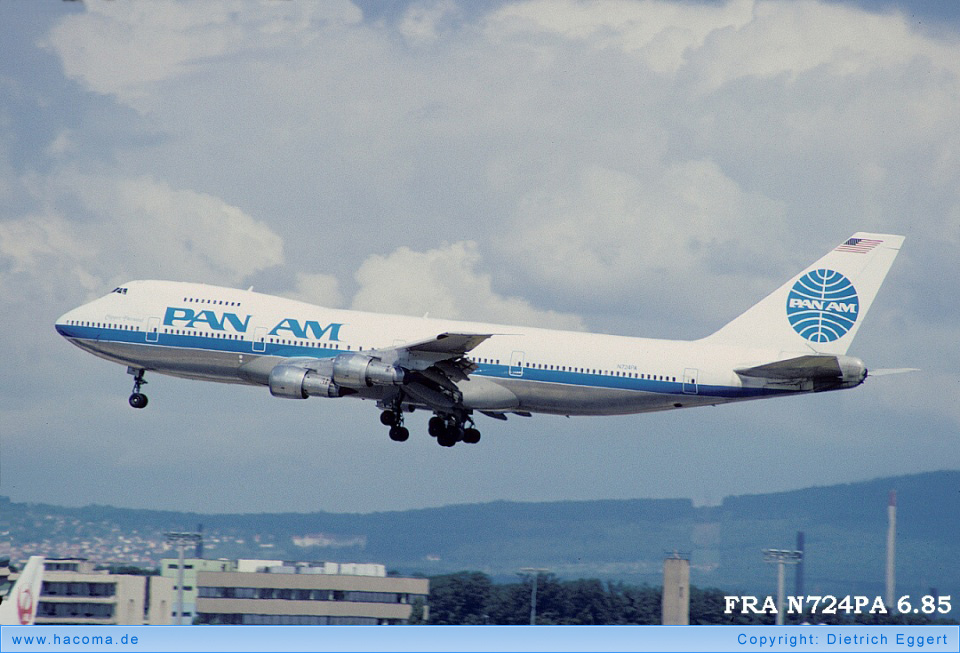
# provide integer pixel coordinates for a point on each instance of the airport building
(284, 593)
(675, 598)
(73, 592)
(170, 568)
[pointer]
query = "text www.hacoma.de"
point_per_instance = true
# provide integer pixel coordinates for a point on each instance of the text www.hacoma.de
(72, 640)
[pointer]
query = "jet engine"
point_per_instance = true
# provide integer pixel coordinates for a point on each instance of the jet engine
(329, 377)
(355, 370)
(295, 382)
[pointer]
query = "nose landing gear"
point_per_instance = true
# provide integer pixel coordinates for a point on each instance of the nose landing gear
(137, 400)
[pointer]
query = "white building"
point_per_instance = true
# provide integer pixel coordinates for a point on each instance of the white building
(274, 592)
(73, 592)
(170, 568)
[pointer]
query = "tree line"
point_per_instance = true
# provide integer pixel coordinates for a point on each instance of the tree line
(472, 598)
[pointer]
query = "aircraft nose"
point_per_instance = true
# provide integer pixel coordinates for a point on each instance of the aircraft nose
(63, 323)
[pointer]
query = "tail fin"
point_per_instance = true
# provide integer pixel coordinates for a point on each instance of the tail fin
(19, 607)
(821, 309)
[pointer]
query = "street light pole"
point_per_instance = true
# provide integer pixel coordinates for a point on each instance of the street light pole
(181, 541)
(536, 571)
(781, 557)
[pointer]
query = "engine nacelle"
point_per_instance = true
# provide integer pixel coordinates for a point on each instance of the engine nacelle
(295, 382)
(326, 378)
(355, 370)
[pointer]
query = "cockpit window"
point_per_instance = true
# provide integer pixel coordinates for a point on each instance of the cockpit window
(119, 291)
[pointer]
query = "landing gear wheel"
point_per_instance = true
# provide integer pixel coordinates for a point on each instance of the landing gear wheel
(137, 400)
(452, 434)
(447, 439)
(471, 436)
(389, 418)
(392, 416)
(436, 426)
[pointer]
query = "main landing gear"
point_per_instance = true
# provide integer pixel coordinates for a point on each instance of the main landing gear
(451, 429)
(393, 417)
(447, 429)
(137, 400)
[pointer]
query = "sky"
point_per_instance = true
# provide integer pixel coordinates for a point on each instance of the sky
(637, 168)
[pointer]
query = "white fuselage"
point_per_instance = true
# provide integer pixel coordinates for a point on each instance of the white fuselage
(220, 334)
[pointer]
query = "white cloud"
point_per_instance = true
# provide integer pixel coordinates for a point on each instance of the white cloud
(445, 283)
(661, 33)
(62, 146)
(126, 49)
(320, 289)
(97, 229)
(764, 38)
(629, 146)
(789, 38)
(615, 237)
(421, 23)
(40, 254)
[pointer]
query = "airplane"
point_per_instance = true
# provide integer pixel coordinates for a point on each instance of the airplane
(19, 606)
(792, 342)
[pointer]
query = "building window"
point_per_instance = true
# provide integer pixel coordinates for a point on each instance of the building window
(75, 610)
(52, 588)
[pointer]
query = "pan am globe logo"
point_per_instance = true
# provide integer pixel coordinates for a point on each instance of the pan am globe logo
(822, 306)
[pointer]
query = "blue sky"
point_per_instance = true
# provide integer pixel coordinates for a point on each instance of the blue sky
(639, 168)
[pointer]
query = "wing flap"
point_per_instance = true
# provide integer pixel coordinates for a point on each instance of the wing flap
(456, 370)
(434, 398)
(435, 365)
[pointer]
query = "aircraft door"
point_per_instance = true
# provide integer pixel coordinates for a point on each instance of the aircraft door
(260, 339)
(153, 329)
(690, 381)
(516, 363)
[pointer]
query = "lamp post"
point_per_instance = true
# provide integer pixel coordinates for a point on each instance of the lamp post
(536, 571)
(781, 557)
(181, 541)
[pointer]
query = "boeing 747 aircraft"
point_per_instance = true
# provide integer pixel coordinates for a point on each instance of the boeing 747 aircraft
(794, 341)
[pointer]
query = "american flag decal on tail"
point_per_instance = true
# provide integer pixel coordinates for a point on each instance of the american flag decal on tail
(858, 245)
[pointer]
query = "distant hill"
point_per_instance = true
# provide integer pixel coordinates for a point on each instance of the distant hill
(844, 525)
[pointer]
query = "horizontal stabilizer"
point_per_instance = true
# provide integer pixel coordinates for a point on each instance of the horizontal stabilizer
(802, 367)
(820, 371)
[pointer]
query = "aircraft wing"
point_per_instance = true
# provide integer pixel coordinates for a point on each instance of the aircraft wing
(436, 365)
(450, 344)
